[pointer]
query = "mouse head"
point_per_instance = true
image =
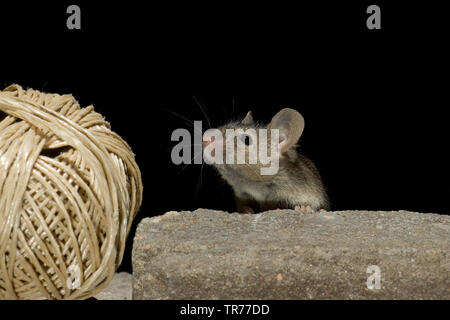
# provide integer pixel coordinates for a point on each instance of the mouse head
(248, 149)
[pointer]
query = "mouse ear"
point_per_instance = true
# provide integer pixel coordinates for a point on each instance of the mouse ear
(290, 124)
(248, 118)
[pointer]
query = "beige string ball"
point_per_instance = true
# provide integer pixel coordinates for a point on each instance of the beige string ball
(69, 190)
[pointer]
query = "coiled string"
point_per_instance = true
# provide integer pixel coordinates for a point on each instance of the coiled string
(69, 190)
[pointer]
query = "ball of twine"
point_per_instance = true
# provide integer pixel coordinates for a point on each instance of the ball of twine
(69, 190)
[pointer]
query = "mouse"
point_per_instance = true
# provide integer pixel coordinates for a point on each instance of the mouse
(296, 184)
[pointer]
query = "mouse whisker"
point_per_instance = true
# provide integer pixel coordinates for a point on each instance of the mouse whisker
(224, 111)
(199, 183)
(185, 166)
(203, 109)
(195, 156)
(186, 120)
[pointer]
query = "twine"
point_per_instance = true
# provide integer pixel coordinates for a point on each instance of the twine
(69, 190)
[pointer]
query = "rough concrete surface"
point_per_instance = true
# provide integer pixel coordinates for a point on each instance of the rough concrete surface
(283, 254)
(120, 288)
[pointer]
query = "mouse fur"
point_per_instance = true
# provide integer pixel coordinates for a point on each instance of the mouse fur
(296, 185)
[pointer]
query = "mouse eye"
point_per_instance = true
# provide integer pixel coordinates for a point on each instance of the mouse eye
(245, 138)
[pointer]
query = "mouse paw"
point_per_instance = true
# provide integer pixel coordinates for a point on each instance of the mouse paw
(304, 209)
(246, 209)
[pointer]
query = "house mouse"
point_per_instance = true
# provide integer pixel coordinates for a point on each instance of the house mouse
(295, 185)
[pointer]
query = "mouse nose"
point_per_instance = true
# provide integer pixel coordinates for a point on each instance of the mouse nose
(206, 142)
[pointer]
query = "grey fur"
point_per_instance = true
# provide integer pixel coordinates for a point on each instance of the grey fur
(297, 183)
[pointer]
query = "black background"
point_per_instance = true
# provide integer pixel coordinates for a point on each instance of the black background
(374, 101)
